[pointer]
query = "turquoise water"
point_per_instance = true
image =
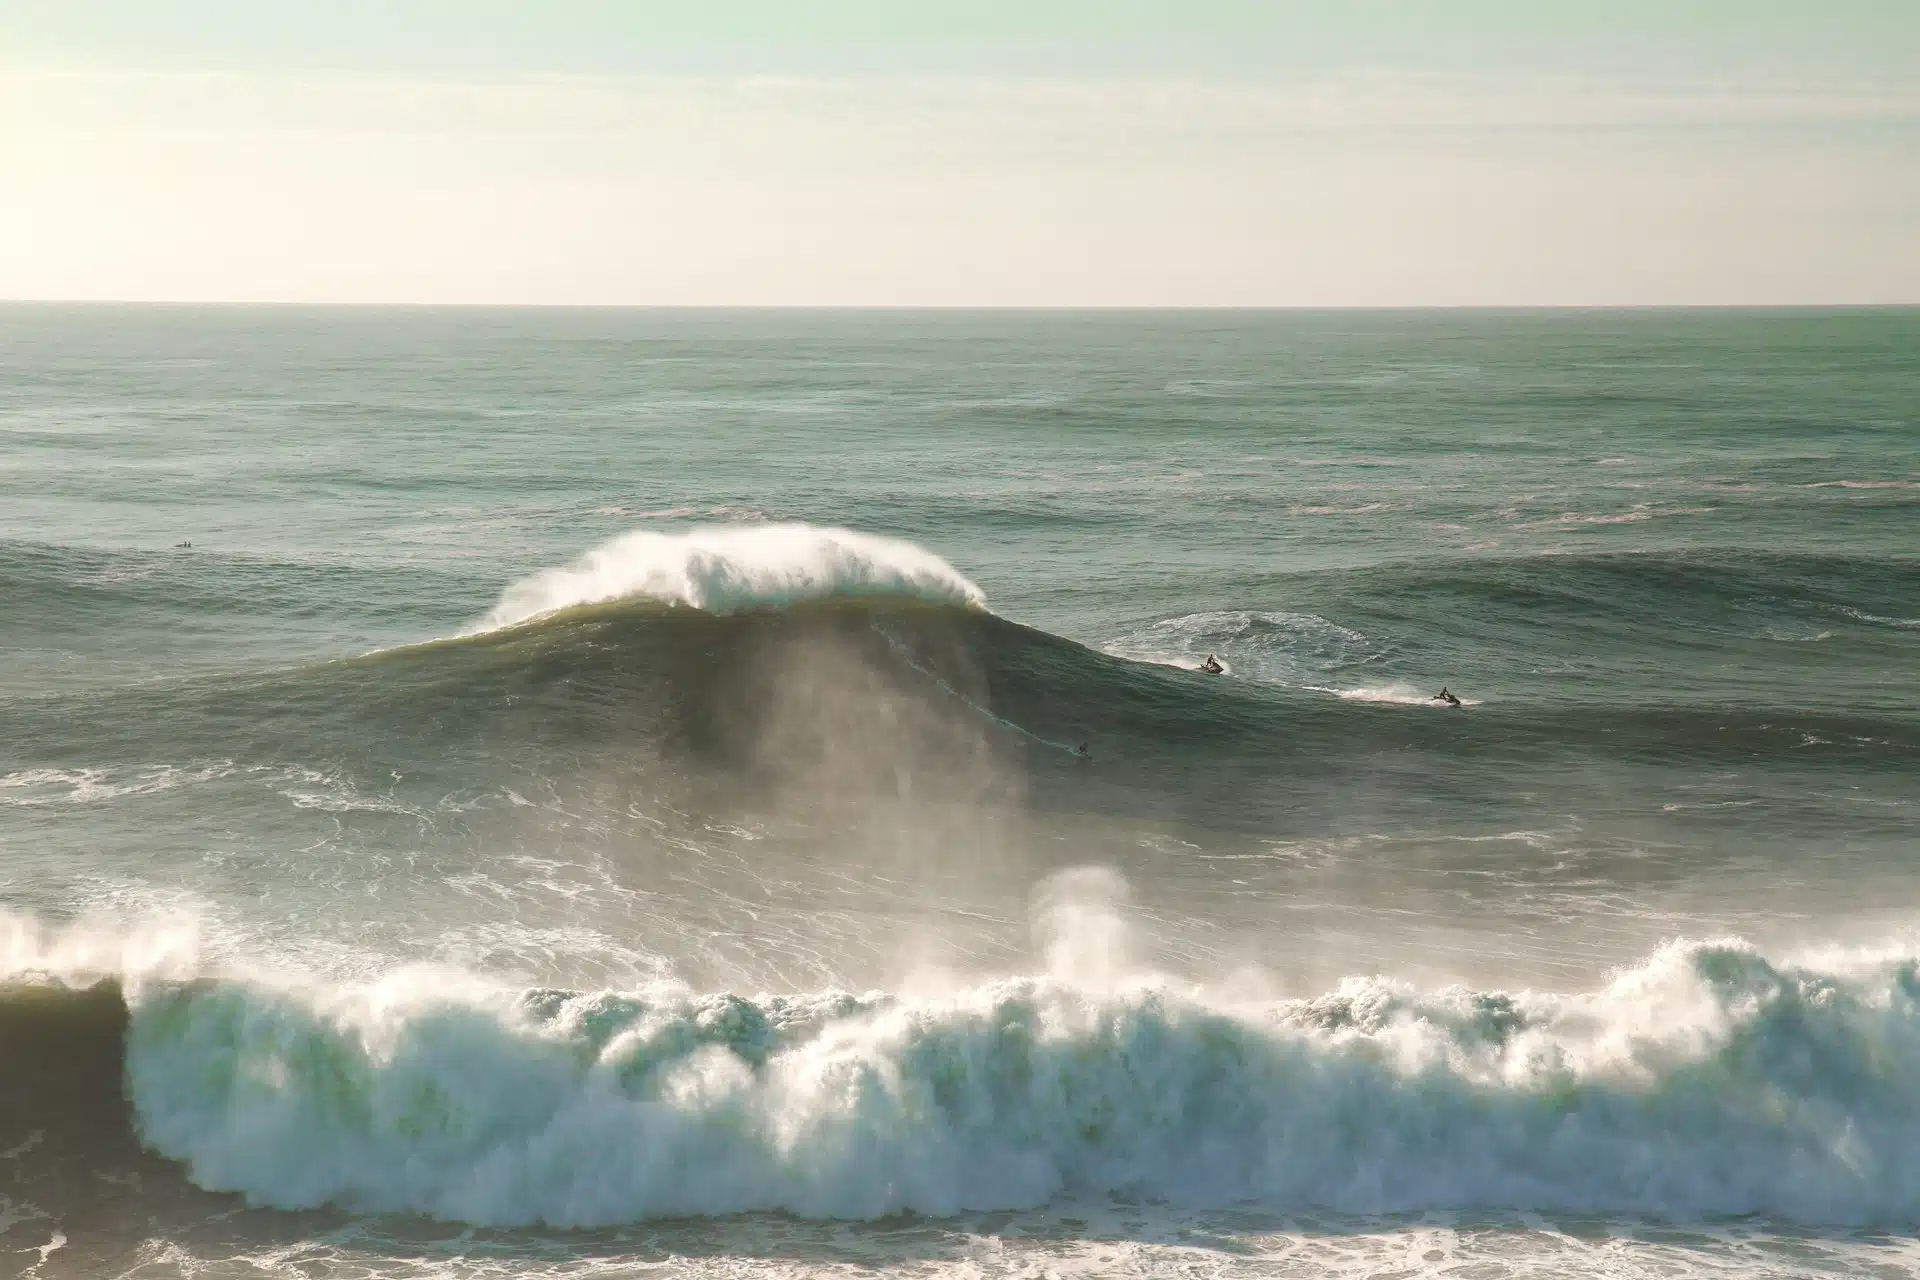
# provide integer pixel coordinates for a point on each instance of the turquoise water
(591, 768)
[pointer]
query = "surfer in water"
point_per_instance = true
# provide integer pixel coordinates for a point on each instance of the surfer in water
(1446, 697)
(1212, 666)
(1082, 751)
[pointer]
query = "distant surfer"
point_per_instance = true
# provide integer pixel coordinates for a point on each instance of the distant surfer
(1212, 666)
(1447, 697)
(1083, 752)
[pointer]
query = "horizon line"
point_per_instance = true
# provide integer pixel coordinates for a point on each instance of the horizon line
(338, 304)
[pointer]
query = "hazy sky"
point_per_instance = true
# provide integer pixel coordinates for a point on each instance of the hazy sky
(1041, 152)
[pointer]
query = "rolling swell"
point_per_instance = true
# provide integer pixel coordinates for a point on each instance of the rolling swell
(739, 672)
(1713, 590)
(1709, 1079)
(848, 697)
(1761, 629)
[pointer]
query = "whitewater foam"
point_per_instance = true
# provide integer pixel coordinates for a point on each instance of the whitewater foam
(1707, 1080)
(34, 788)
(725, 568)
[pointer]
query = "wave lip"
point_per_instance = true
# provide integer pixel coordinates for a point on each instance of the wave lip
(727, 568)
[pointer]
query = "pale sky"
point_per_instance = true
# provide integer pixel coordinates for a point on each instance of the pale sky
(934, 152)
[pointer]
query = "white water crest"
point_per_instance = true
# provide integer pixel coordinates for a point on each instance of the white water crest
(1708, 1079)
(724, 568)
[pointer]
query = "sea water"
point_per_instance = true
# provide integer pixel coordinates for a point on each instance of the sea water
(591, 793)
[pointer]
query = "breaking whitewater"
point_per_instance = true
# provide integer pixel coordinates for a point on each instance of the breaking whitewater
(1707, 1081)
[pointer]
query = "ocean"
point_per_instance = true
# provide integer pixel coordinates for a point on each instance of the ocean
(513, 793)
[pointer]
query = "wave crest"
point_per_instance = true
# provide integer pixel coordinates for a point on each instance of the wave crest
(1708, 1080)
(726, 568)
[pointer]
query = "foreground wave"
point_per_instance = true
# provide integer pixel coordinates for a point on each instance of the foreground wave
(1710, 1079)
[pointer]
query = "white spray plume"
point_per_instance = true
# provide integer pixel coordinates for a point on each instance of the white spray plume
(1078, 922)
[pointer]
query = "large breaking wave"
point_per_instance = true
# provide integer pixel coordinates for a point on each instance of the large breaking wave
(764, 650)
(1709, 1079)
(725, 568)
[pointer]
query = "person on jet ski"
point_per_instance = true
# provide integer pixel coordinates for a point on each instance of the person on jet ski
(1446, 697)
(1212, 666)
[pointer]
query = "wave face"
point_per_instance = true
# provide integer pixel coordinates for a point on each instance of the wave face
(1707, 1080)
(657, 673)
(722, 569)
(843, 701)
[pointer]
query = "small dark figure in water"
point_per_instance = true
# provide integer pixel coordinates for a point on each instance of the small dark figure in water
(1446, 697)
(1212, 666)
(179, 545)
(1082, 752)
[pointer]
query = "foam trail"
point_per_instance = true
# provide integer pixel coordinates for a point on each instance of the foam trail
(1708, 1080)
(724, 568)
(1400, 695)
(1276, 647)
